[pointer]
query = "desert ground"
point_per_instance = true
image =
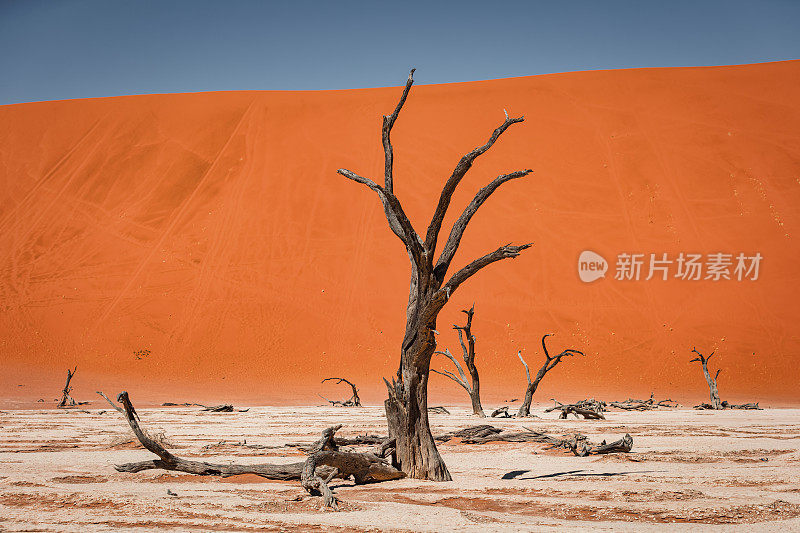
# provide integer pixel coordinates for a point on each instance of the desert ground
(688, 470)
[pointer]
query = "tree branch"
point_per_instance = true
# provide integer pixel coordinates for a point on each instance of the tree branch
(388, 123)
(452, 376)
(455, 178)
(398, 221)
(527, 371)
(544, 346)
(504, 252)
(461, 373)
(460, 225)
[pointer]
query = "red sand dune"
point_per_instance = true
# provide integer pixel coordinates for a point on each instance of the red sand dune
(212, 230)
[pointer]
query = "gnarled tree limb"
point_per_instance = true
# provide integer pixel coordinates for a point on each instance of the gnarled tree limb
(354, 400)
(324, 462)
(460, 225)
(504, 252)
(455, 178)
(388, 124)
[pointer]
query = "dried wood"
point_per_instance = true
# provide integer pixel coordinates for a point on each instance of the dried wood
(323, 463)
(429, 291)
(589, 409)
(576, 443)
(222, 408)
(473, 388)
(716, 403)
(112, 404)
(550, 362)
(632, 404)
(726, 405)
(66, 399)
(501, 412)
(354, 400)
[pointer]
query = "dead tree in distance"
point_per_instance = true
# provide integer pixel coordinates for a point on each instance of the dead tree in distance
(354, 400)
(429, 291)
(468, 351)
(716, 403)
(66, 399)
(549, 364)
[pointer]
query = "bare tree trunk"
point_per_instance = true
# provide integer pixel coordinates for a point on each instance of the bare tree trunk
(66, 399)
(549, 364)
(716, 403)
(525, 409)
(407, 413)
(429, 291)
(468, 353)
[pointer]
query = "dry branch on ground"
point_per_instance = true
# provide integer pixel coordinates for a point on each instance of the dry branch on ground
(324, 462)
(589, 409)
(221, 408)
(576, 443)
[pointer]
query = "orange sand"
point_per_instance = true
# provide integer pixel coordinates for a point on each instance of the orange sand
(213, 230)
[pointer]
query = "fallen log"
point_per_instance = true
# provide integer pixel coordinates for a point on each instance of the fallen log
(632, 404)
(589, 409)
(222, 408)
(479, 431)
(576, 443)
(501, 412)
(726, 405)
(323, 464)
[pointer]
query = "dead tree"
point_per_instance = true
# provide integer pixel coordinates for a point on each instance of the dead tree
(429, 291)
(716, 403)
(468, 352)
(66, 399)
(325, 461)
(549, 364)
(354, 400)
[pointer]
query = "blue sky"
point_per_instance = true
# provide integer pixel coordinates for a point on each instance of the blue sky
(60, 49)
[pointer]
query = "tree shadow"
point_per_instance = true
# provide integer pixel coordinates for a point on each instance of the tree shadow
(515, 474)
